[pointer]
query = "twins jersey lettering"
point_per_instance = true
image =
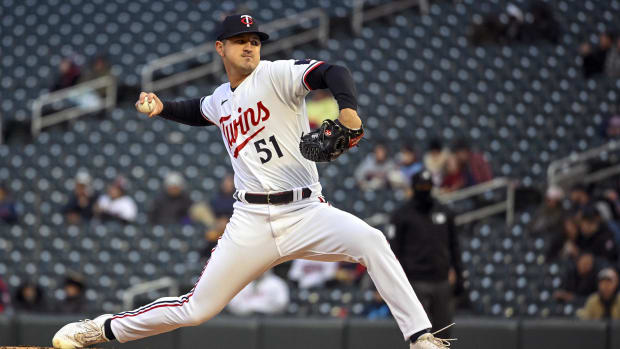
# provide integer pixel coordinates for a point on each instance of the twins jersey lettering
(261, 122)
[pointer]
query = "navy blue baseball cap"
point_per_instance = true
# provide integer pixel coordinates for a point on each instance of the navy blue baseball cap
(240, 24)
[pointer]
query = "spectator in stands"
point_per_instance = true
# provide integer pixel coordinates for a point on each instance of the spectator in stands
(489, 30)
(611, 197)
(211, 238)
(377, 170)
(29, 298)
(320, 106)
(612, 126)
(543, 26)
(82, 201)
(268, 294)
(435, 160)
(511, 26)
(593, 60)
(594, 237)
(514, 28)
(116, 204)
(426, 244)
(564, 242)
(309, 274)
(549, 216)
(579, 279)
(173, 204)
(221, 208)
(75, 296)
(475, 165)
(68, 74)
(377, 309)
(409, 163)
(99, 67)
(222, 204)
(5, 297)
(612, 63)
(8, 207)
(604, 304)
(454, 176)
(349, 274)
(611, 202)
(502, 28)
(579, 197)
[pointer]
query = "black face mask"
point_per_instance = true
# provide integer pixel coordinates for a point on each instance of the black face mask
(423, 200)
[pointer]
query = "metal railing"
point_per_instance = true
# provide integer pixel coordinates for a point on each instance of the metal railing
(574, 168)
(508, 205)
(129, 295)
(76, 92)
(359, 15)
(319, 32)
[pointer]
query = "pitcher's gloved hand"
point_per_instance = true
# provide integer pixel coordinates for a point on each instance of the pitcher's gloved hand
(329, 141)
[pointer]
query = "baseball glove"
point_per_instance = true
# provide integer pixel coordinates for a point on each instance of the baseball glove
(329, 141)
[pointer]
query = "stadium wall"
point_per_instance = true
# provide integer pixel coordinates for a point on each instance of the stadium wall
(285, 333)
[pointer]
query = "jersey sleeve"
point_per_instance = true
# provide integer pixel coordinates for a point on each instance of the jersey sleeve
(207, 110)
(289, 77)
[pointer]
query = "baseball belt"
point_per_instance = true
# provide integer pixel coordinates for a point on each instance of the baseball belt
(279, 198)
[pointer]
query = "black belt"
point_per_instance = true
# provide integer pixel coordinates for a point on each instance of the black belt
(283, 197)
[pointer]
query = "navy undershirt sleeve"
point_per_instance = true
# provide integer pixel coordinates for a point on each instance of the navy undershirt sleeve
(186, 112)
(338, 80)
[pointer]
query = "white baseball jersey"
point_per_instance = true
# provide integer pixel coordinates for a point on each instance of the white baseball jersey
(261, 122)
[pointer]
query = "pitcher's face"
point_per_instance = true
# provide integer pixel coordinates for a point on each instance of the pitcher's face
(240, 52)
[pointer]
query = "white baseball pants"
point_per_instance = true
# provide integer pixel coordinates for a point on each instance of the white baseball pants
(259, 237)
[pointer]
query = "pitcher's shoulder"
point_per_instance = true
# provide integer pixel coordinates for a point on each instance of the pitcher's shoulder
(222, 89)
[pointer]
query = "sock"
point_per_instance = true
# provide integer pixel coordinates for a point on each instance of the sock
(414, 337)
(107, 328)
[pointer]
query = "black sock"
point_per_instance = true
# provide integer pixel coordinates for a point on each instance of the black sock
(107, 328)
(414, 337)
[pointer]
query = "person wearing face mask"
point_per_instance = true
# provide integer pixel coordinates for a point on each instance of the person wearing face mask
(425, 243)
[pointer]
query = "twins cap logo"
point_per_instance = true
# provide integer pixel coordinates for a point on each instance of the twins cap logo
(247, 20)
(328, 133)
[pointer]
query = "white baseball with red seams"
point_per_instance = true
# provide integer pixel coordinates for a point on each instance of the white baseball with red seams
(261, 122)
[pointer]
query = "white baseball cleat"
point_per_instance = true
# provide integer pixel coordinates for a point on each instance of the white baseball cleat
(429, 341)
(81, 334)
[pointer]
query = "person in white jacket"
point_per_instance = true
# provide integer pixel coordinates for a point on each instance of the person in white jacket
(268, 294)
(115, 204)
(309, 273)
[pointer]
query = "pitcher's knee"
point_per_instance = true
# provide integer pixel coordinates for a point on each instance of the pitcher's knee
(197, 315)
(372, 240)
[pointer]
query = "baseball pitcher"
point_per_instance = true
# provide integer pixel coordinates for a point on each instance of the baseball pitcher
(280, 213)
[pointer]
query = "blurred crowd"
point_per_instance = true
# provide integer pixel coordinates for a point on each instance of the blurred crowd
(582, 227)
(516, 25)
(602, 59)
(452, 168)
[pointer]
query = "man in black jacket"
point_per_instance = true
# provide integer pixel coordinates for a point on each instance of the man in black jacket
(427, 247)
(594, 236)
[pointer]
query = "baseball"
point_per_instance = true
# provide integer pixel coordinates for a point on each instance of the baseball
(146, 107)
